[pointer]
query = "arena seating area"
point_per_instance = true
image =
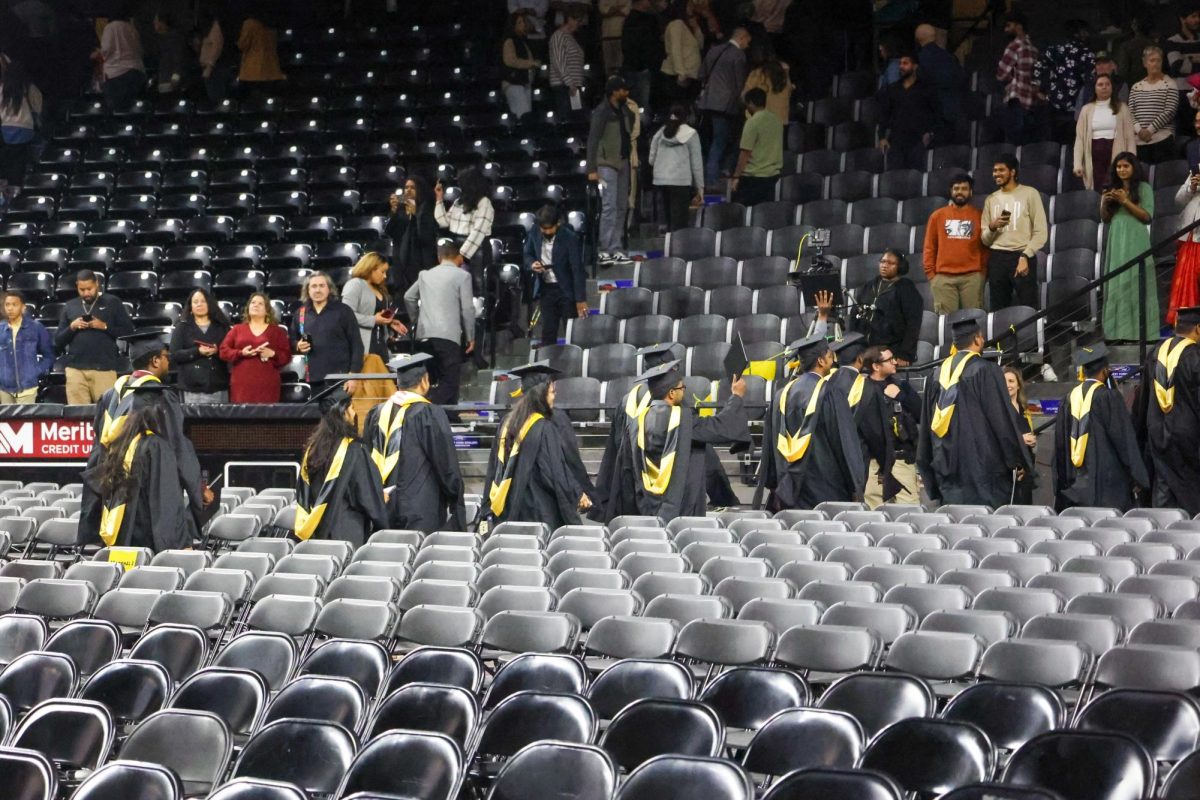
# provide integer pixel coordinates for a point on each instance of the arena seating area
(883, 652)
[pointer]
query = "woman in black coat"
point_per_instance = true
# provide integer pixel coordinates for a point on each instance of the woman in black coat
(203, 376)
(413, 231)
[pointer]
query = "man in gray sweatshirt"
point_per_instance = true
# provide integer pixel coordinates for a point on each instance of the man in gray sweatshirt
(440, 301)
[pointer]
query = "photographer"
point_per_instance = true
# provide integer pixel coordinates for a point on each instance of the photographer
(889, 309)
(325, 331)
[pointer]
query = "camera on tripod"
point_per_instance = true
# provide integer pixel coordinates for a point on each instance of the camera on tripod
(813, 272)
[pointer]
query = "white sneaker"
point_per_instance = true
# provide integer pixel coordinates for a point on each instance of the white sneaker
(1048, 374)
(619, 257)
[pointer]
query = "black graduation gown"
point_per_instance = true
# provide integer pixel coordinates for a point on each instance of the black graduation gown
(1022, 490)
(571, 455)
(426, 483)
(152, 515)
(831, 468)
(118, 401)
(973, 462)
(871, 417)
(1172, 440)
(1112, 462)
(617, 480)
(687, 490)
(542, 489)
(353, 506)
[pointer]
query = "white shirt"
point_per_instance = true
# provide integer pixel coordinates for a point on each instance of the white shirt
(1104, 122)
(547, 252)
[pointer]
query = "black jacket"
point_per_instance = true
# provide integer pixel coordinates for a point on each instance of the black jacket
(896, 323)
(198, 373)
(414, 245)
(336, 343)
(92, 349)
(907, 114)
(641, 43)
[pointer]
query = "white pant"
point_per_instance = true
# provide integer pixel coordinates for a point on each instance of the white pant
(520, 99)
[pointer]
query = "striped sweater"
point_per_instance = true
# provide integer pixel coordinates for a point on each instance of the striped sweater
(566, 60)
(1153, 106)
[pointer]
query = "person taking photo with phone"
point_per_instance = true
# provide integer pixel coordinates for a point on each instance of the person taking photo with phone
(195, 340)
(86, 339)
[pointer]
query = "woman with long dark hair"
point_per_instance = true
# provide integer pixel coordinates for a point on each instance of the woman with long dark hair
(413, 231)
(1127, 205)
(527, 477)
(519, 64)
(771, 75)
(470, 217)
(678, 166)
(20, 117)
(195, 346)
(339, 494)
(138, 483)
(1104, 129)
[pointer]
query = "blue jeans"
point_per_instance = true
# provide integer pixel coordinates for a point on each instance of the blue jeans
(614, 206)
(722, 129)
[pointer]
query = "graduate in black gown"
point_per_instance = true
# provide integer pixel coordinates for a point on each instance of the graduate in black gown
(338, 494)
(138, 484)
(866, 402)
(531, 376)
(970, 444)
(667, 444)
(1096, 459)
(527, 476)
(616, 486)
(811, 449)
(151, 361)
(1168, 415)
(413, 449)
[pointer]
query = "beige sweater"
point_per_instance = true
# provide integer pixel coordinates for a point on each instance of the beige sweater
(1027, 230)
(1125, 141)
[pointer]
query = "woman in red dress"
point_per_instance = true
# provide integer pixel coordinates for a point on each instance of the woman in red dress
(256, 349)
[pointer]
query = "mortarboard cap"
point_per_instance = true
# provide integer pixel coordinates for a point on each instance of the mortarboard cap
(1088, 358)
(334, 399)
(811, 347)
(411, 366)
(964, 323)
(1188, 316)
(662, 377)
(144, 343)
(535, 374)
(848, 347)
(735, 360)
(655, 354)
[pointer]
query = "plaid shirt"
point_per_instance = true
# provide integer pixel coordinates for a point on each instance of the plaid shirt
(1016, 70)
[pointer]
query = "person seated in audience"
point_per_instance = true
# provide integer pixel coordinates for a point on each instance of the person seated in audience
(138, 482)
(814, 453)
(195, 343)
(1167, 415)
(668, 440)
(527, 479)
(970, 445)
(1097, 460)
(413, 450)
(325, 331)
(256, 349)
(338, 494)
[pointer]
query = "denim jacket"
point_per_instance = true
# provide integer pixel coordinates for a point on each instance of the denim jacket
(33, 357)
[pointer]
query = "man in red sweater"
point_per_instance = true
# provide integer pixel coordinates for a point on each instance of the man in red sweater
(955, 258)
